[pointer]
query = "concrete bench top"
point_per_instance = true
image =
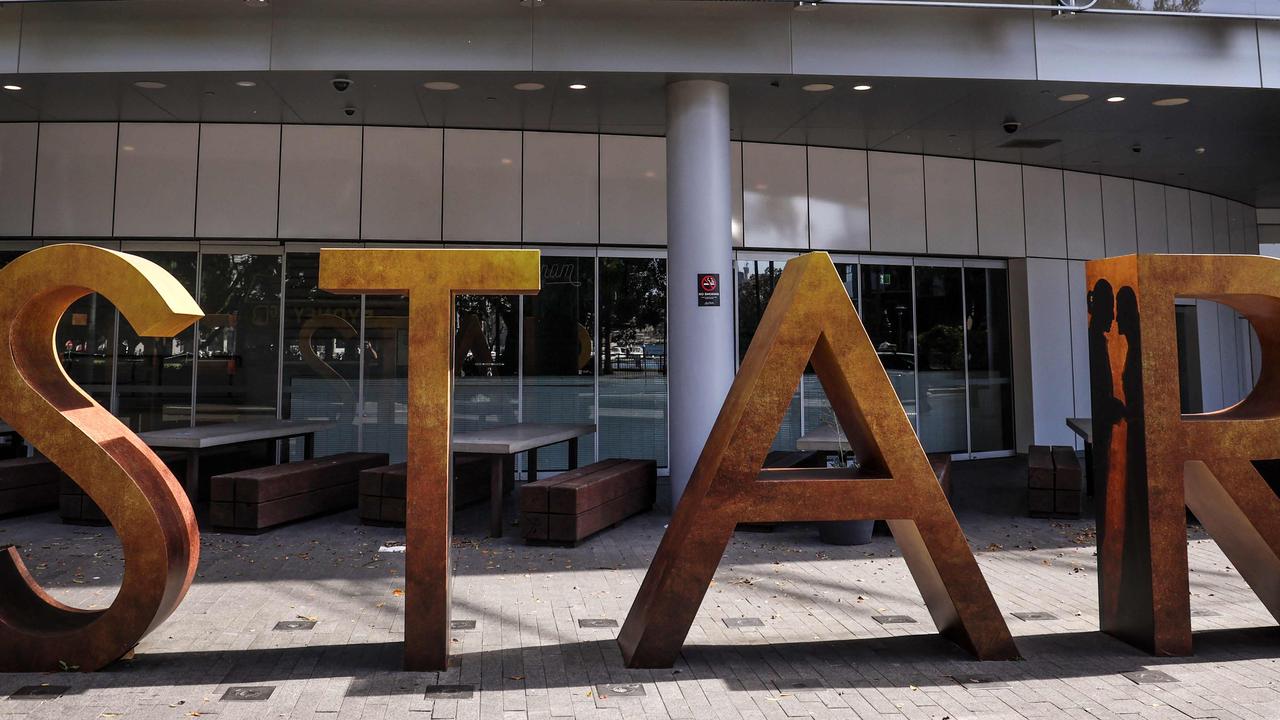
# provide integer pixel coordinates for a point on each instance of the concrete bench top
(511, 439)
(207, 436)
(826, 437)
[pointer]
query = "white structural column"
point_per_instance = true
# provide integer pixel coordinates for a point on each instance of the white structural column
(700, 335)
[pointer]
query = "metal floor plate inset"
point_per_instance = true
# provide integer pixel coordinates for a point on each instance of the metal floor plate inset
(462, 624)
(1149, 677)
(619, 690)
(597, 623)
(893, 619)
(450, 692)
(295, 625)
(39, 692)
(971, 682)
(248, 692)
(743, 622)
(1034, 616)
(786, 684)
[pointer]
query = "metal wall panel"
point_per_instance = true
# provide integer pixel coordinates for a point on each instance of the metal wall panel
(1001, 228)
(1201, 223)
(1221, 226)
(1078, 305)
(1044, 205)
(950, 206)
(482, 175)
(735, 190)
(1159, 51)
(1119, 222)
(1049, 316)
(914, 42)
(141, 36)
(75, 179)
(1211, 390)
(1152, 224)
(644, 36)
(436, 35)
(1177, 209)
(401, 183)
(17, 176)
(1235, 226)
(320, 181)
(1250, 231)
(1269, 53)
(156, 180)
(633, 190)
(237, 195)
(839, 216)
(561, 184)
(10, 36)
(1083, 202)
(774, 196)
(896, 192)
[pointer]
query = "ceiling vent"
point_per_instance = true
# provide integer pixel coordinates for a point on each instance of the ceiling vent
(1030, 143)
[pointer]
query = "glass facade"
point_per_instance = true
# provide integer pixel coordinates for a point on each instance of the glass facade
(591, 347)
(940, 328)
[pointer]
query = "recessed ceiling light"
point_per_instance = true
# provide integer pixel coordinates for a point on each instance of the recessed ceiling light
(506, 161)
(1115, 99)
(127, 148)
(150, 85)
(528, 86)
(862, 88)
(257, 3)
(246, 83)
(1073, 97)
(1199, 151)
(805, 6)
(12, 87)
(440, 85)
(532, 3)
(1170, 102)
(577, 86)
(817, 87)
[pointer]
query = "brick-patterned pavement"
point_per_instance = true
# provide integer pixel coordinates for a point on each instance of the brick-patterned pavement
(817, 650)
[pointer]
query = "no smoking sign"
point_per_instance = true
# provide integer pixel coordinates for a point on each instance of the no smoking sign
(708, 289)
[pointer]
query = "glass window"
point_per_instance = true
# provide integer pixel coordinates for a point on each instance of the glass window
(817, 409)
(385, 356)
(239, 337)
(990, 376)
(633, 358)
(486, 362)
(756, 281)
(153, 375)
(887, 311)
(85, 341)
(321, 355)
(559, 353)
(940, 360)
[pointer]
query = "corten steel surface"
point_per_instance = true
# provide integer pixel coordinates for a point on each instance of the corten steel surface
(1154, 460)
(431, 279)
(139, 495)
(811, 315)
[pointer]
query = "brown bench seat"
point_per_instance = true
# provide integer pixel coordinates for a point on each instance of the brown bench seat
(382, 489)
(575, 504)
(28, 485)
(77, 508)
(259, 499)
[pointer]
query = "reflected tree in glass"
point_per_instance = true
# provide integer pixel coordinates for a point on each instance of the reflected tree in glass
(633, 358)
(153, 375)
(239, 337)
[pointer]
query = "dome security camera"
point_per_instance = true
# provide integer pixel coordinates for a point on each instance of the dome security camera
(349, 111)
(342, 84)
(1010, 125)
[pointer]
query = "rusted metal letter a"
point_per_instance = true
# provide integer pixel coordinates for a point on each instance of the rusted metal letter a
(810, 317)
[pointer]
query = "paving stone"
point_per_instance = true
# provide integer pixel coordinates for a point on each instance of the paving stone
(39, 692)
(450, 692)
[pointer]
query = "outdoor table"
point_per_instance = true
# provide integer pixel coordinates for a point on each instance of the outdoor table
(826, 437)
(1084, 428)
(194, 439)
(507, 441)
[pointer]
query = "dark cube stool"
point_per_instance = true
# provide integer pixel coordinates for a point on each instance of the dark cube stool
(28, 485)
(1054, 481)
(382, 489)
(77, 508)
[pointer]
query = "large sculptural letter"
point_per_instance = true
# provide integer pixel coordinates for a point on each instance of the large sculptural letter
(1156, 460)
(811, 316)
(431, 279)
(137, 492)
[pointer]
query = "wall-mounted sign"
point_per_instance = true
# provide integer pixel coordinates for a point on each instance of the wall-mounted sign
(708, 289)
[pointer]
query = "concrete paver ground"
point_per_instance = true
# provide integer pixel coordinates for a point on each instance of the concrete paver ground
(816, 652)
